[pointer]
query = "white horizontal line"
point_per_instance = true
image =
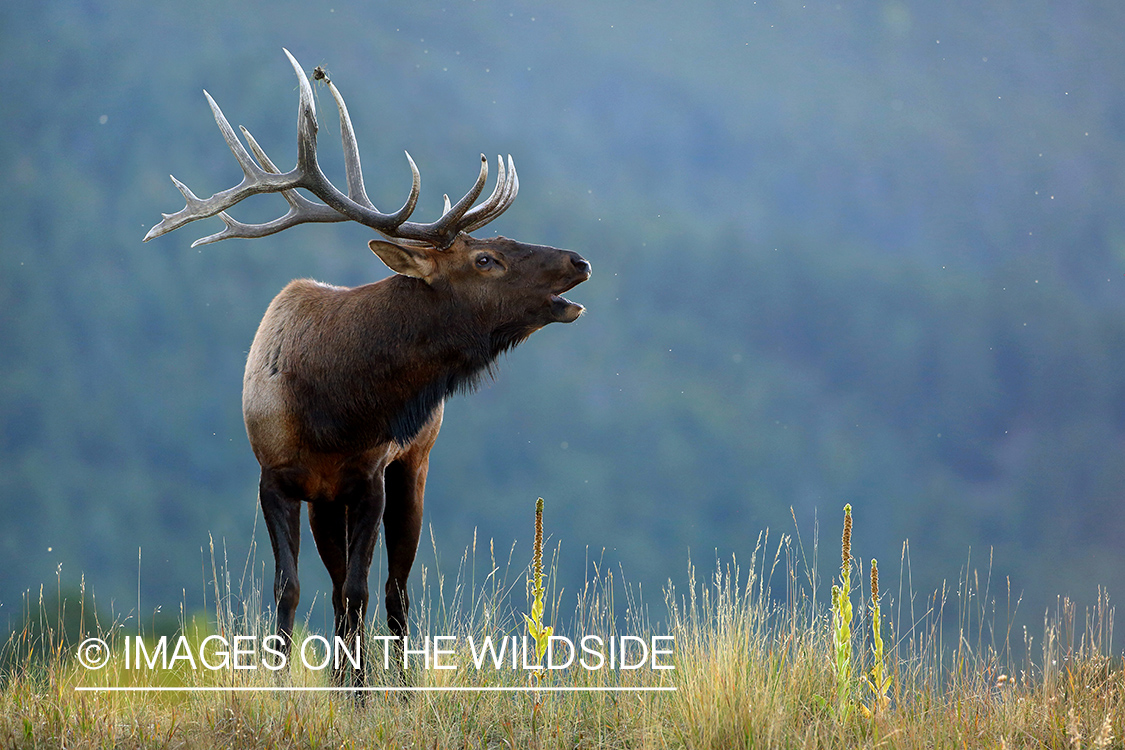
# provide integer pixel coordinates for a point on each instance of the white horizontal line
(383, 688)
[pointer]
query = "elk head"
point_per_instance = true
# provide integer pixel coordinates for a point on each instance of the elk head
(440, 253)
(503, 280)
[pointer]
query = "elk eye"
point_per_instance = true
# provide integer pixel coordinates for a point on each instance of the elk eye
(484, 261)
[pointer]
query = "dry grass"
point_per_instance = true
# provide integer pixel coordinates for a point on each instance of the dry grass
(753, 668)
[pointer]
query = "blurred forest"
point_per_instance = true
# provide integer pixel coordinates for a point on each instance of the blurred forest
(867, 252)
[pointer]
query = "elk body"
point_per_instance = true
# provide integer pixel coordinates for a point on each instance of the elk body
(344, 387)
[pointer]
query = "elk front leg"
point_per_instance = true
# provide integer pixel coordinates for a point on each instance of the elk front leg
(402, 522)
(405, 482)
(283, 520)
(328, 521)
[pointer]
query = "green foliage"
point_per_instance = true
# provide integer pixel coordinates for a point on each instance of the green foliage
(837, 254)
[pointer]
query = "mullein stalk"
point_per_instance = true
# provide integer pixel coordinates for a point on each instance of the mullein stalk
(842, 622)
(878, 681)
(535, 627)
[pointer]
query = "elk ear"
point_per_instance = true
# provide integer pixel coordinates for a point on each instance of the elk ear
(405, 260)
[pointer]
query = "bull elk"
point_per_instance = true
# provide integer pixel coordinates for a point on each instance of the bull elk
(344, 387)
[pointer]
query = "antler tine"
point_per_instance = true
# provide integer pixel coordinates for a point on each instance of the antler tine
(356, 190)
(494, 199)
(355, 205)
(236, 229)
(254, 180)
(262, 157)
(507, 185)
(448, 224)
(311, 210)
(301, 209)
(460, 218)
(415, 189)
(307, 124)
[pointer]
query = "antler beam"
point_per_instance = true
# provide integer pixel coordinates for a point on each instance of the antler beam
(260, 175)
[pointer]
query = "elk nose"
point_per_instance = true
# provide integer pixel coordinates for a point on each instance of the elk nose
(580, 264)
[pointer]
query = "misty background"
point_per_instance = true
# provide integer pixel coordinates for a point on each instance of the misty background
(865, 252)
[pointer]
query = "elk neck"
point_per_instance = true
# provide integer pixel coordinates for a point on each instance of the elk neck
(399, 348)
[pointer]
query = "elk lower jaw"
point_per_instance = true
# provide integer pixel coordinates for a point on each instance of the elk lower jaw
(563, 310)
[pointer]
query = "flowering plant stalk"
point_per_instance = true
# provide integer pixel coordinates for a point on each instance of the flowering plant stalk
(535, 627)
(842, 622)
(877, 681)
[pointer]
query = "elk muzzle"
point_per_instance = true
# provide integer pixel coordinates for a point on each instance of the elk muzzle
(562, 309)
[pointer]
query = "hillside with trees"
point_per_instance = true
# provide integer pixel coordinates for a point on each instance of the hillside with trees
(869, 253)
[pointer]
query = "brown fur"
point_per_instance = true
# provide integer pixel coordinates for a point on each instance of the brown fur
(343, 396)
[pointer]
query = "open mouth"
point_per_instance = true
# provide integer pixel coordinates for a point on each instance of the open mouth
(563, 309)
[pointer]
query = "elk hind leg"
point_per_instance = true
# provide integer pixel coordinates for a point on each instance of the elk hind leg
(282, 513)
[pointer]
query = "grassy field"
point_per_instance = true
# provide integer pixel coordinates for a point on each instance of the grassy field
(753, 664)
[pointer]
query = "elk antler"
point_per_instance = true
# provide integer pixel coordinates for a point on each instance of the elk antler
(263, 177)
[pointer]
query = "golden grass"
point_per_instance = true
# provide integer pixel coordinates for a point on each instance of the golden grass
(754, 666)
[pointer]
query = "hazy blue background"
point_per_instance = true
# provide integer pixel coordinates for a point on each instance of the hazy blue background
(865, 252)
